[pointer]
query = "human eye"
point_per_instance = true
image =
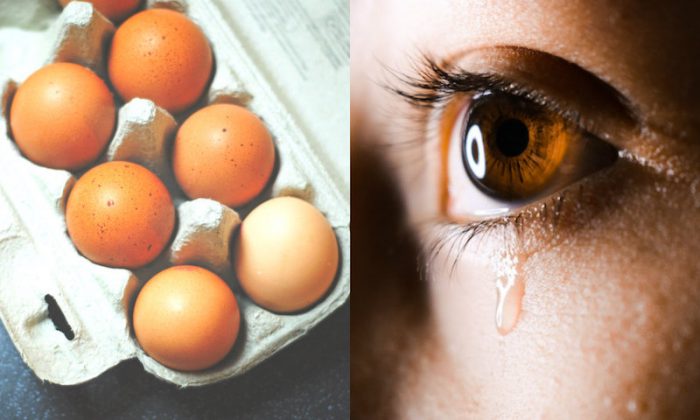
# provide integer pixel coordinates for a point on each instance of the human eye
(509, 142)
(506, 152)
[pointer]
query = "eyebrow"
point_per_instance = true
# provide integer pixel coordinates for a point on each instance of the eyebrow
(551, 81)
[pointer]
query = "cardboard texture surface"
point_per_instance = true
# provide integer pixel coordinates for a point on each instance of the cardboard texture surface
(39, 264)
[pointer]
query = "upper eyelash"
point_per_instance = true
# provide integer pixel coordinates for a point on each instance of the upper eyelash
(434, 85)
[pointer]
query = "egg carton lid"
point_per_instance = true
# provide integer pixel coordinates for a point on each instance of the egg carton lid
(45, 279)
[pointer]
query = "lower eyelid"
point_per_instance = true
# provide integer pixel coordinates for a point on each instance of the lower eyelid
(537, 223)
(541, 225)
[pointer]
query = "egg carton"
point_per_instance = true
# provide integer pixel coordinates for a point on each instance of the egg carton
(70, 318)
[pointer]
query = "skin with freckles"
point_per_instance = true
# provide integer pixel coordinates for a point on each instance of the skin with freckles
(609, 325)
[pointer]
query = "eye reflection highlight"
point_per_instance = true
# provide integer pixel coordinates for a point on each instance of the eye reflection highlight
(474, 150)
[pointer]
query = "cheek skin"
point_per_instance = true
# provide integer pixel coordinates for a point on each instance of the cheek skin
(610, 323)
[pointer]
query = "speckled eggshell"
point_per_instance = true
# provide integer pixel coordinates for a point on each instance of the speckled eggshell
(223, 152)
(62, 116)
(120, 214)
(161, 55)
(287, 254)
(114, 10)
(186, 318)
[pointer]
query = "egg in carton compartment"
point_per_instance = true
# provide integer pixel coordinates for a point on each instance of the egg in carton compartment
(70, 318)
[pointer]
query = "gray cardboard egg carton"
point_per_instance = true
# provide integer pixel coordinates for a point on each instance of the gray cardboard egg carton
(39, 264)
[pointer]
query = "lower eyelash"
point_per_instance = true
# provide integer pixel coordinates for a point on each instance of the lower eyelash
(456, 238)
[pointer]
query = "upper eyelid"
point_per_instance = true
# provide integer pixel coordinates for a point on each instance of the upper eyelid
(595, 107)
(428, 94)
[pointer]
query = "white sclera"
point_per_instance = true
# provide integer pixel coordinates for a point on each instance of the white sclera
(478, 167)
(465, 198)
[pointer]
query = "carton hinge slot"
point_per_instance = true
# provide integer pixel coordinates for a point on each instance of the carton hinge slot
(58, 319)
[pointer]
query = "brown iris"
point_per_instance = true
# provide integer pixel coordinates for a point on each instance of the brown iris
(512, 147)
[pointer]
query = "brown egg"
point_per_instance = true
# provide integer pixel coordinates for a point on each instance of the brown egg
(62, 116)
(114, 10)
(223, 152)
(160, 55)
(120, 214)
(287, 254)
(186, 318)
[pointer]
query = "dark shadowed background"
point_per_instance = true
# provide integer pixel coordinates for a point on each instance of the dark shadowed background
(307, 380)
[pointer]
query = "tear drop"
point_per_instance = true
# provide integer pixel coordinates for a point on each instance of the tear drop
(510, 289)
(510, 295)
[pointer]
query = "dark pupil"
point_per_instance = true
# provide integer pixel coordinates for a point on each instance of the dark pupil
(511, 137)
